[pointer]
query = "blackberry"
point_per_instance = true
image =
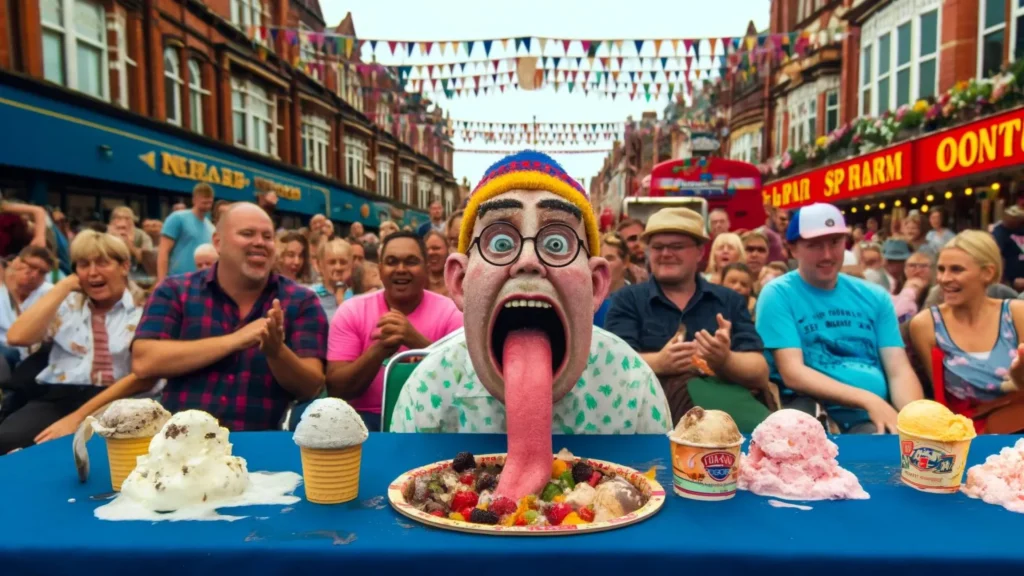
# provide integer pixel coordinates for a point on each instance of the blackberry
(463, 461)
(581, 471)
(479, 516)
(486, 481)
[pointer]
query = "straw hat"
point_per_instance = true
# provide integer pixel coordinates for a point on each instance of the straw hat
(676, 221)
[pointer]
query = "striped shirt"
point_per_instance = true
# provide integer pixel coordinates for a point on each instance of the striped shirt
(102, 362)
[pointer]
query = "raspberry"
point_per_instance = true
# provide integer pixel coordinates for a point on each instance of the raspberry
(558, 512)
(438, 513)
(586, 514)
(464, 499)
(479, 516)
(520, 521)
(463, 461)
(467, 512)
(594, 479)
(503, 505)
(468, 479)
(581, 472)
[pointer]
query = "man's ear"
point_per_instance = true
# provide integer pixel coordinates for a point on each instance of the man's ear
(455, 275)
(601, 278)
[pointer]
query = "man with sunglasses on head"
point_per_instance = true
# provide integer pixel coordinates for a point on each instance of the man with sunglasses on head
(678, 321)
(530, 362)
(631, 231)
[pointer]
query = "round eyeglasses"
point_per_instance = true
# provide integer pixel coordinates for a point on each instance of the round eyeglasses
(501, 244)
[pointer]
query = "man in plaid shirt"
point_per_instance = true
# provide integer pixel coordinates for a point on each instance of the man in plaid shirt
(236, 340)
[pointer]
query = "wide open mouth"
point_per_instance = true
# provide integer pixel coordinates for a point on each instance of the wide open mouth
(520, 312)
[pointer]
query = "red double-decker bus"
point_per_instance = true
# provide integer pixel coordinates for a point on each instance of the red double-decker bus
(703, 183)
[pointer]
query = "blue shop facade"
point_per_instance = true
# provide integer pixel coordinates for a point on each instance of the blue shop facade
(72, 156)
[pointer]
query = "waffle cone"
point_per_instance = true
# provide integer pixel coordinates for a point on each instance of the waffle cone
(122, 454)
(331, 476)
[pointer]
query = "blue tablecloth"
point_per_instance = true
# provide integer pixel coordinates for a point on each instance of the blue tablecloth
(896, 531)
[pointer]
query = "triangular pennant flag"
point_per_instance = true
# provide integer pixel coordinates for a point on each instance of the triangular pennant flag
(620, 62)
(761, 40)
(689, 62)
(711, 43)
(373, 46)
(526, 43)
(391, 45)
(675, 47)
(664, 61)
(687, 44)
(469, 47)
(615, 76)
(696, 50)
(462, 66)
(751, 40)
(639, 44)
(487, 47)
(632, 76)
(518, 42)
(657, 47)
(273, 35)
(410, 46)
(578, 60)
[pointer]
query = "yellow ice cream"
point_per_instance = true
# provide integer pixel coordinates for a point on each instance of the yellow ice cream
(933, 421)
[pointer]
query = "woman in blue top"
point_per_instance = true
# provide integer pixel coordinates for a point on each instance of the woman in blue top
(978, 335)
(614, 250)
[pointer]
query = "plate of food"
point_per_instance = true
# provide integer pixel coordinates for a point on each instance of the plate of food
(583, 495)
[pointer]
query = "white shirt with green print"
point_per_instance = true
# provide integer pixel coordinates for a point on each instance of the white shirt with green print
(618, 393)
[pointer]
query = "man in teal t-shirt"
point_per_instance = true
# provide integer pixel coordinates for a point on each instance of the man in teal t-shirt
(183, 232)
(833, 338)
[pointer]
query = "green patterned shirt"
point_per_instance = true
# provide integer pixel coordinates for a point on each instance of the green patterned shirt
(617, 394)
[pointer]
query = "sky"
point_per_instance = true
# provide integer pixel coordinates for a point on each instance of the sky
(445, 20)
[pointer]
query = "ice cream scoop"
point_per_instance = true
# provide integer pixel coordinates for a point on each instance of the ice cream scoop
(1000, 480)
(931, 420)
(710, 427)
(330, 423)
(189, 462)
(616, 498)
(792, 458)
(131, 418)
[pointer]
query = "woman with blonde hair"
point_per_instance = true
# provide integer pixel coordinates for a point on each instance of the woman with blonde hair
(726, 249)
(91, 317)
(387, 228)
(912, 230)
(293, 261)
(978, 335)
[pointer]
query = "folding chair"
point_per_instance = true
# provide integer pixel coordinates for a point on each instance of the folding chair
(397, 370)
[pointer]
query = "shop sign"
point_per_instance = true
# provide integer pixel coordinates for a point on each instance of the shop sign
(186, 168)
(882, 171)
(987, 144)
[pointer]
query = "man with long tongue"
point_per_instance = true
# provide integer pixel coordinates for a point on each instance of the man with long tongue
(529, 361)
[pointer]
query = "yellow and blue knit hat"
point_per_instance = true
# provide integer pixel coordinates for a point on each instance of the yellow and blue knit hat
(528, 170)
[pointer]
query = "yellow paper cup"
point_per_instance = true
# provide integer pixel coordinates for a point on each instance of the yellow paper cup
(331, 476)
(932, 465)
(122, 453)
(705, 472)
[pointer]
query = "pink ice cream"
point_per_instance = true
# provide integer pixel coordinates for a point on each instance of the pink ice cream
(1000, 480)
(792, 458)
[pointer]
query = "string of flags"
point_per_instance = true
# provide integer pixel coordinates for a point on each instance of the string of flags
(546, 151)
(532, 126)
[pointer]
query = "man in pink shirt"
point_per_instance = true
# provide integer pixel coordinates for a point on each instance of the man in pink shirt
(370, 328)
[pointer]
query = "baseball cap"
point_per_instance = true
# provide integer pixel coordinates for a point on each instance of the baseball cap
(814, 221)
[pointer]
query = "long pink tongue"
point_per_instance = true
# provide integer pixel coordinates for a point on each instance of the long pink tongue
(528, 380)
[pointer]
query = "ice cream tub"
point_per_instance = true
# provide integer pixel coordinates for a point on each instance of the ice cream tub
(705, 471)
(932, 465)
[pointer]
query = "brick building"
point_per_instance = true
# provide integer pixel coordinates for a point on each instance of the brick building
(139, 99)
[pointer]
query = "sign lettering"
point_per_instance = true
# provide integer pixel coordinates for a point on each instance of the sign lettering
(179, 166)
(986, 144)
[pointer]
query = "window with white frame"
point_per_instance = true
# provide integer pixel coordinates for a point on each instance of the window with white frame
(405, 185)
(307, 51)
(353, 88)
(780, 123)
(422, 192)
(75, 45)
(254, 115)
(197, 94)
(1017, 30)
(740, 148)
(121, 62)
(172, 85)
(316, 143)
(355, 162)
(755, 146)
(803, 115)
(245, 13)
(385, 176)
(831, 111)
(899, 55)
(992, 24)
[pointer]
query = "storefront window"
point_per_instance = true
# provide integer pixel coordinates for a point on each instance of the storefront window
(405, 185)
(993, 36)
(884, 66)
(866, 68)
(75, 45)
(172, 85)
(929, 55)
(831, 111)
(422, 192)
(903, 44)
(899, 55)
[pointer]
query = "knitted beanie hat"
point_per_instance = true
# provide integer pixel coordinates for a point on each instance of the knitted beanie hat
(528, 170)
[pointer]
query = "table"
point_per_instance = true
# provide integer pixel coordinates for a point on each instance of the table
(897, 530)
